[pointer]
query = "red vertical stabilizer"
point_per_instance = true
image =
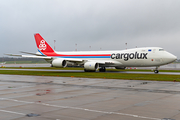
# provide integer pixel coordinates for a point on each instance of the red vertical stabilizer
(42, 45)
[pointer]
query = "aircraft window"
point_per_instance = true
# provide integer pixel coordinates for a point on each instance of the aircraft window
(161, 49)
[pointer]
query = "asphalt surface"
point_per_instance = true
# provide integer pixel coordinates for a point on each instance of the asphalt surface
(62, 98)
(129, 72)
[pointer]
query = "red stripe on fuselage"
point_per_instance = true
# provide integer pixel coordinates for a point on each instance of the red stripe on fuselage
(61, 55)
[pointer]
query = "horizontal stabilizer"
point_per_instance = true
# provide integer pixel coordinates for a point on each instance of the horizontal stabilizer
(29, 56)
(13, 55)
(32, 53)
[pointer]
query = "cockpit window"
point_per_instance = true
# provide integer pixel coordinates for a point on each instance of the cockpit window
(161, 49)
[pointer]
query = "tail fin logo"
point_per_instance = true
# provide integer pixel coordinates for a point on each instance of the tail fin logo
(42, 45)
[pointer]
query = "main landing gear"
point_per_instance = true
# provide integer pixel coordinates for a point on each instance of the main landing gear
(102, 69)
(156, 70)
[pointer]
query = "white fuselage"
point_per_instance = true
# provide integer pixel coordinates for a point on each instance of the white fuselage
(137, 57)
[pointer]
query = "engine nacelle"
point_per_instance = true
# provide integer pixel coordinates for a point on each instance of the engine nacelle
(59, 63)
(91, 66)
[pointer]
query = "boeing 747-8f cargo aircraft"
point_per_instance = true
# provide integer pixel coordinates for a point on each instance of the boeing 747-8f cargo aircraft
(92, 60)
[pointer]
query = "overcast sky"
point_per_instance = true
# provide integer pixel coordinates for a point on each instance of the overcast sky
(101, 24)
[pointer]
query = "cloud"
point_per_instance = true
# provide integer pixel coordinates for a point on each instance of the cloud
(97, 23)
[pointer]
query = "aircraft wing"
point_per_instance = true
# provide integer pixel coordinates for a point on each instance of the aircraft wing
(97, 61)
(67, 59)
(78, 61)
(44, 57)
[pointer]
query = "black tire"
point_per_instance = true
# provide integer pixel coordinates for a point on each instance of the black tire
(89, 70)
(156, 71)
(103, 69)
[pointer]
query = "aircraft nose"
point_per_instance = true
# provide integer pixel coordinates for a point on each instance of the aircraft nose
(175, 58)
(169, 58)
(172, 57)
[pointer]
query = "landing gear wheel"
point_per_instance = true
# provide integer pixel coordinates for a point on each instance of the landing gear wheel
(102, 69)
(156, 71)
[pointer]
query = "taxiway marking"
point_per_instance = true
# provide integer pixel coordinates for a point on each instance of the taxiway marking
(12, 112)
(77, 108)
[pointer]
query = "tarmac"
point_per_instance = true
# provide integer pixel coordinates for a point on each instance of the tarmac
(67, 98)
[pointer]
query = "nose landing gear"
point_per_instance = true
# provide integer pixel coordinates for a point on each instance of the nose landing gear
(156, 70)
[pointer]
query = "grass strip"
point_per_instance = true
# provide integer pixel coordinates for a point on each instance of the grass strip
(79, 68)
(154, 77)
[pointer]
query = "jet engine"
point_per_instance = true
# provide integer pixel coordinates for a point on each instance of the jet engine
(90, 66)
(59, 63)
